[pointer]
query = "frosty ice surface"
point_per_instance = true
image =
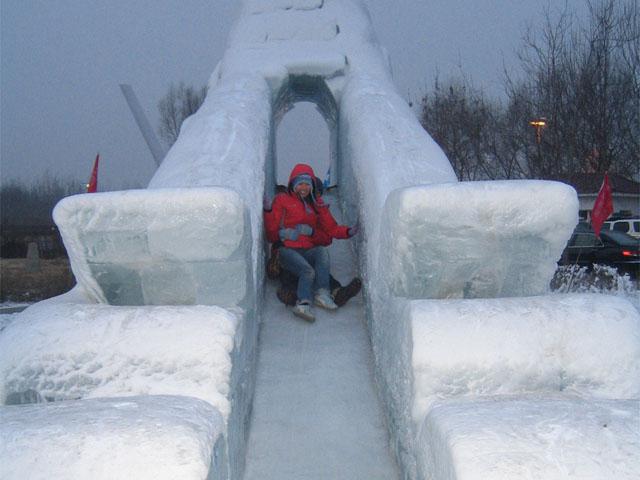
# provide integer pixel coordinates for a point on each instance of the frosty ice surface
(160, 246)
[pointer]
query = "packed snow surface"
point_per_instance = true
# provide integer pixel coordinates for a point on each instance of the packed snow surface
(562, 345)
(531, 438)
(143, 437)
(580, 344)
(71, 351)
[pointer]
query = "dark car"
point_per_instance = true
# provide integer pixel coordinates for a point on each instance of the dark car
(613, 248)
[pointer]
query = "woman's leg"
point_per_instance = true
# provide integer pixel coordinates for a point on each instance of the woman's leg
(294, 261)
(319, 258)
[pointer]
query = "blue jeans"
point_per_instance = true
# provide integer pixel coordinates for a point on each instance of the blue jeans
(311, 265)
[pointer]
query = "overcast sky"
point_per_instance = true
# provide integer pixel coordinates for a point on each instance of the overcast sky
(62, 62)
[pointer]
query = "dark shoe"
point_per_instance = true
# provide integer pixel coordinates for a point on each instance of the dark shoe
(288, 297)
(343, 294)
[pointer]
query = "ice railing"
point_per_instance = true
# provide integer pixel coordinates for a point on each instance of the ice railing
(171, 246)
(474, 239)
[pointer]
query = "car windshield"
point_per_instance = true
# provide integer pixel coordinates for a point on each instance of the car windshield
(622, 238)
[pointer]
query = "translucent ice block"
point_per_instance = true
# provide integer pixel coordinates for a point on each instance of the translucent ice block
(160, 246)
(475, 239)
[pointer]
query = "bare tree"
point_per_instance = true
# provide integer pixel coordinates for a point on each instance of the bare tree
(461, 120)
(542, 91)
(584, 81)
(179, 103)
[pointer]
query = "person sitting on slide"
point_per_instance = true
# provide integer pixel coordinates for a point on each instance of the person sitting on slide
(294, 217)
(286, 292)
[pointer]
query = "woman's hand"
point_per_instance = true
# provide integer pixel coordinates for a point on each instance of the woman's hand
(288, 234)
(304, 229)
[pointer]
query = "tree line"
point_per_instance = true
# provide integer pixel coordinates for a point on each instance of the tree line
(580, 80)
(31, 205)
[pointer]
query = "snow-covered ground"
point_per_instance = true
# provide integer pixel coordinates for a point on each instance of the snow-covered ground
(601, 279)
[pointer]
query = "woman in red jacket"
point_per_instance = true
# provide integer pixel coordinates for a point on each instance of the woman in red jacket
(294, 218)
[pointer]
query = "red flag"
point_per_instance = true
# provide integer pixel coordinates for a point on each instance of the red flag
(603, 206)
(92, 186)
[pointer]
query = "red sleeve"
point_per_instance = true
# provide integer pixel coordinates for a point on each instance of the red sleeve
(321, 238)
(328, 223)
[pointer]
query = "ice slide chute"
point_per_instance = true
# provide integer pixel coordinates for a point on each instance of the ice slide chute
(160, 246)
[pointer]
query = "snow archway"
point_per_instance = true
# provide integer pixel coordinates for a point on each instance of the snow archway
(306, 88)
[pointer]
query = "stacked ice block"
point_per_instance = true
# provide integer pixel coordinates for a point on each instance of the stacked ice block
(159, 247)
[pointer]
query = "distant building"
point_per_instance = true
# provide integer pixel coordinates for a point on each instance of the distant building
(626, 193)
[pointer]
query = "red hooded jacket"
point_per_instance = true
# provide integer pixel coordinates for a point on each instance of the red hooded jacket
(289, 210)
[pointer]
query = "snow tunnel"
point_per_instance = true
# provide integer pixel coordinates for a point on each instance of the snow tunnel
(295, 90)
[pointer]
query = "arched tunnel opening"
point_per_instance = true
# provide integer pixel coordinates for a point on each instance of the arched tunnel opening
(304, 129)
(302, 137)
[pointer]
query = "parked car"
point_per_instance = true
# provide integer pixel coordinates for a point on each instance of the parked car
(630, 226)
(613, 248)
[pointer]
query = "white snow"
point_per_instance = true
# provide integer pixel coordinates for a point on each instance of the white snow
(586, 345)
(142, 437)
(72, 351)
(59, 350)
(6, 319)
(531, 438)
(551, 346)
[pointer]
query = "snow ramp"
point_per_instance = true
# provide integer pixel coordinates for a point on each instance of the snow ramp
(190, 249)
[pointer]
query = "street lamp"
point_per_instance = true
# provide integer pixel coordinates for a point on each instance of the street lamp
(539, 124)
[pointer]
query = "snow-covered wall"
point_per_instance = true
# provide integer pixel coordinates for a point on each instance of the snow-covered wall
(149, 437)
(61, 350)
(587, 345)
(544, 347)
(475, 239)
(551, 438)
(70, 351)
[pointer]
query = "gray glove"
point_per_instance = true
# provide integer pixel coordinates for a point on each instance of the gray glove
(288, 234)
(304, 229)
